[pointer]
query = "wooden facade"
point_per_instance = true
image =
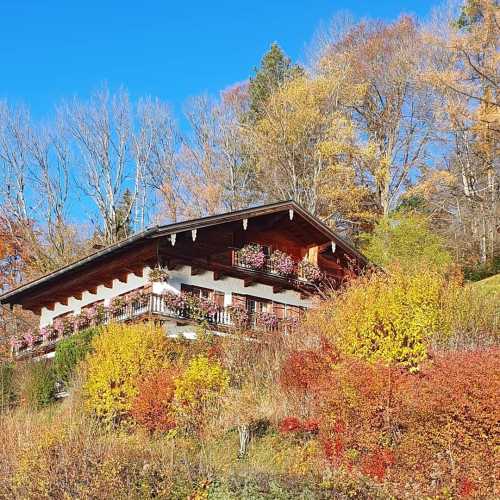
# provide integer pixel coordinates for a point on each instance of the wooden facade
(202, 258)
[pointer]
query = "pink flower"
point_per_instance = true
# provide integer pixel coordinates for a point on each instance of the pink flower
(282, 263)
(252, 256)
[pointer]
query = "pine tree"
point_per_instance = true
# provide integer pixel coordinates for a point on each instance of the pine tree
(275, 69)
(123, 225)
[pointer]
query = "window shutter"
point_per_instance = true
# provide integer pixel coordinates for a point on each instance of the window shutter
(279, 310)
(239, 300)
(218, 298)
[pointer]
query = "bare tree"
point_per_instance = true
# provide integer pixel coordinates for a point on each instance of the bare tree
(394, 119)
(213, 164)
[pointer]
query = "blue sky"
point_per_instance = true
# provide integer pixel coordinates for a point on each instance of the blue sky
(172, 50)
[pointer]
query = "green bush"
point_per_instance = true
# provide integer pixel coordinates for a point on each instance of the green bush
(7, 393)
(37, 382)
(70, 351)
(406, 239)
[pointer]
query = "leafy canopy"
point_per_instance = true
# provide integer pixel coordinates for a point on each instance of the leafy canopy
(406, 239)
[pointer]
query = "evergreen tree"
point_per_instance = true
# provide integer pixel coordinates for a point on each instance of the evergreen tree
(275, 69)
(123, 216)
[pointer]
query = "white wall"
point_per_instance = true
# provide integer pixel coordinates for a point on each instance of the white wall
(228, 285)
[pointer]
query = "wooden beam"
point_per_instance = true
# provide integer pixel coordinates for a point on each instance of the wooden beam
(122, 278)
(138, 270)
(92, 290)
(247, 282)
(108, 283)
(51, 306)
(277, 289)
(78, 295)
(196, 270)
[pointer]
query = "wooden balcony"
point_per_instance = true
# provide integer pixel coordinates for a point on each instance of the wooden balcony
(296, 279)
(155, 307)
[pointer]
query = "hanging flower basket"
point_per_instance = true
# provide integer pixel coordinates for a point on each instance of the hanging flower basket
(309, 271)
(158, 274)
(175, 300)
(252, 256)
(282, 263)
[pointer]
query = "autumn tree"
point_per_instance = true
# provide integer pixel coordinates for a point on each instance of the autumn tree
(464, 69)
(303, 145)
(394, 117)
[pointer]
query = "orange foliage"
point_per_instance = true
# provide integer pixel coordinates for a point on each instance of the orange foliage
(152, 408)
(404, 428)
(304, 370)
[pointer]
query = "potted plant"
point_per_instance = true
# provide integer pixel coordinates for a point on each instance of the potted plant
(282, 263)
(175, 301)
(158, 274)
(252, 256)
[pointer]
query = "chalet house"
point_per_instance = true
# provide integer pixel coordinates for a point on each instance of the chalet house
(257, 268)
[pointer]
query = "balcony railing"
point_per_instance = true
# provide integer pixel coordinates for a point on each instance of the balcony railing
(157, 308)
(269, 268)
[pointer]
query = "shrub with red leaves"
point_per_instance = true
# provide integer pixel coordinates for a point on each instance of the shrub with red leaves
(466, 487)
(303, 370)
(290, 424)
(440, 423)
(152, 407)
(293, 424)
(375, 464)
(311, 425)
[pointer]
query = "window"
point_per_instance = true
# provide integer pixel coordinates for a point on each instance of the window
(255, 305)
(197, 291)
(204, 293)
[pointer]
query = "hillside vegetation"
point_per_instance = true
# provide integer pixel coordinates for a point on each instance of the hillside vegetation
(490, 285)
(390, 389)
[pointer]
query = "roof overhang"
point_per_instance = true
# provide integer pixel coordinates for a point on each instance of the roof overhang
(19, 294)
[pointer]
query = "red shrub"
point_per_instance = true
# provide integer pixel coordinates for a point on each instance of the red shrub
(303, 370)
(376, 463)
(290, 424)
(311, 425)
(152, 407)
(439, 423)
(466, 487)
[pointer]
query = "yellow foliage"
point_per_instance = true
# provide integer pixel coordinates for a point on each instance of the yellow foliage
(385, 317)
(202, 382)
(122, 355)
